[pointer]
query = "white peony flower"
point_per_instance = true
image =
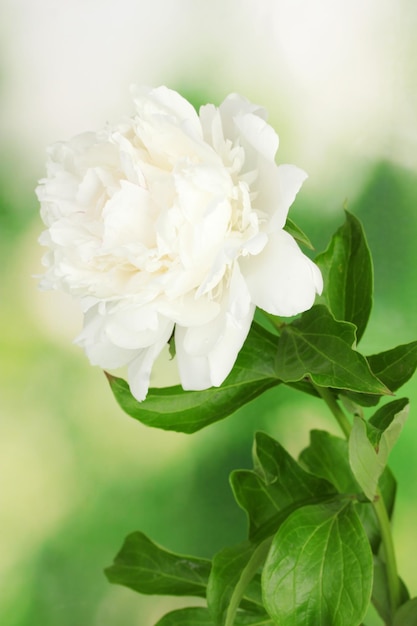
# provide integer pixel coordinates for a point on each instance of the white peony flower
(172, 222)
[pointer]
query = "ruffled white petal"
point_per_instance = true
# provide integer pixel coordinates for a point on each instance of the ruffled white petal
(259, 135)
(281, 279)
(289, 181)
(97, 345)
(164, 101)
(206, 354)
(139, 370)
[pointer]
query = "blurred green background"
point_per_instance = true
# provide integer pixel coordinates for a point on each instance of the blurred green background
(339, 81)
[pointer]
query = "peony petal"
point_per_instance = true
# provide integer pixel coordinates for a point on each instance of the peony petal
(188, 310)
(206, 354)
(129, 217)
(238, 319)
(234, 105)
(281, 279)
(260, 136)
(290, 178)
(223, 357)
(139, 371)
(211, 124)
(275, 190)
(164, 101)
(136, 328)
(194, 370)
(98, 347)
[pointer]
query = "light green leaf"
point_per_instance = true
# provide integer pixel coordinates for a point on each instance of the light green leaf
(368, 461)
(406, 614)
(392, 367)
(328, 456)
(319, 569)
(318, 346)
(347, 271)
(147, 568)
(232, 583)
(276, 487)
(297, 233)
(366, 465)
(172, 408)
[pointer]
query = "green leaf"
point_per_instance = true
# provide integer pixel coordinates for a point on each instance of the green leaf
(347, 271)
(246, 619)
(171, 346)
(296, 232)
(232, 583)
(147, 568)
(392, 367)
(194, 616)
(367, 460)
(319, 569)
(387, 423)
(380, 591)
(318, 346)
(328, 456)
(276, 487)
(365, 463)
(172, 408)
(406, 614)
(191, 616)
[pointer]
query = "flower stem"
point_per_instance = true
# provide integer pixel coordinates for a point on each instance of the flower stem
(331, 402)
(378, 505)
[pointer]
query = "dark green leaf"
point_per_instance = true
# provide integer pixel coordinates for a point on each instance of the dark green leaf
(328, 456)
(318, 346)
(319, 569)
(143, 566)
(191, 616)
(392, 367)
(388, 487)
(246, 619)
(297, 233)
(172, 408)
(406, 614)
(232, 583)
(276, 487)
(347, 271)
(384, 417)
(201, 617)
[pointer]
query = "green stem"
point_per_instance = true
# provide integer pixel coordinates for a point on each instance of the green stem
(331, 402)
(378, 504)
(389, 552)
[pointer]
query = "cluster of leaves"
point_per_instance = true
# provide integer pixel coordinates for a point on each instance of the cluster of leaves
(316, 551)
